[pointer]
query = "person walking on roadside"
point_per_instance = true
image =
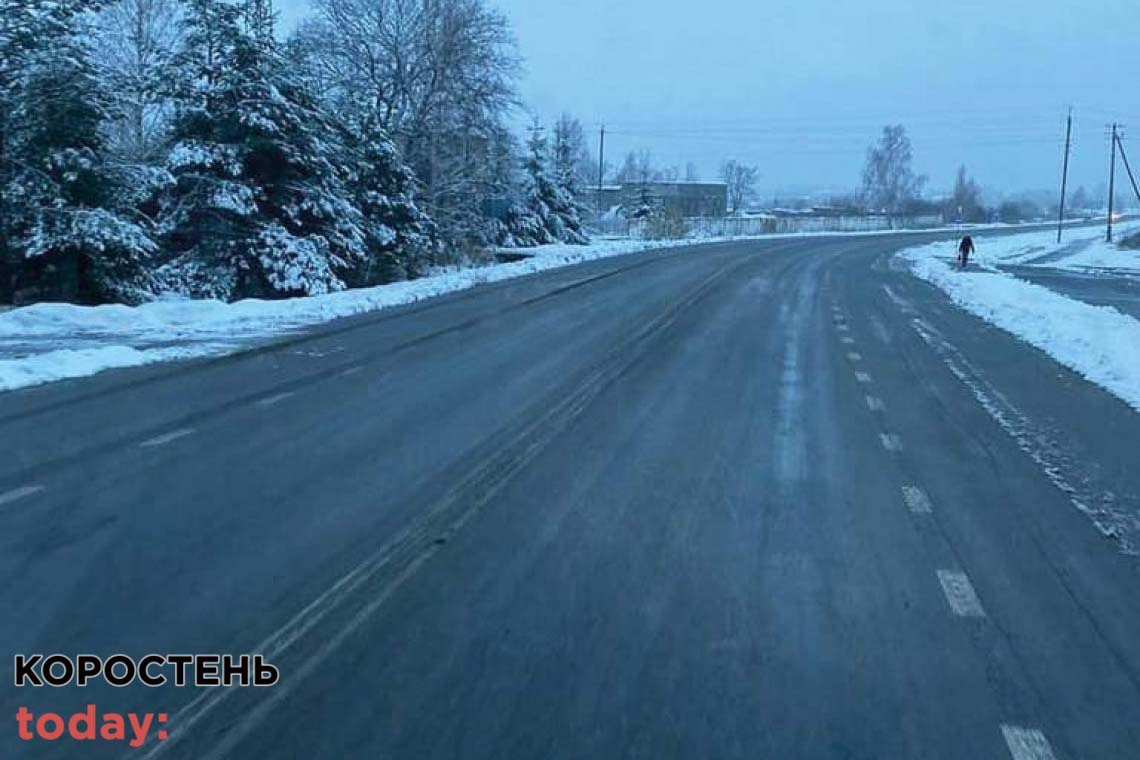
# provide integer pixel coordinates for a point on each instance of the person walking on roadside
(965, 248)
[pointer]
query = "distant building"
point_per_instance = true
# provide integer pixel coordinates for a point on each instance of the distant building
(689, 199)
(605, 201)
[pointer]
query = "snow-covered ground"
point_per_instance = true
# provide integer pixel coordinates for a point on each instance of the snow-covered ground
(1098, 342)
(48, 342)
(1083, 250)
(53, 341)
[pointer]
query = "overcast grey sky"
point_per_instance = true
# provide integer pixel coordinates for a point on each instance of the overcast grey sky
(800, 88)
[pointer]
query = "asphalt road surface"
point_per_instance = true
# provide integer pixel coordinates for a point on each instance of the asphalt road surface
(759, 500)
(1098, 288)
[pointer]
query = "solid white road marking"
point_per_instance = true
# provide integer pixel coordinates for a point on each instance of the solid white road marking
(162, 440)
(855, 357)
(19, 493)
(863, 377)
(273, 400)
(1027, 744)
(960, 594)
(903, 305)
(917, 500)
(891, 442)
(875, 404)
(250, 719)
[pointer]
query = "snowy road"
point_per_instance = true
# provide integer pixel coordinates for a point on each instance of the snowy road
(767, 499)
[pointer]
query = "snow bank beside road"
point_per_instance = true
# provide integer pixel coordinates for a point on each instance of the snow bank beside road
(1097, 342)
(64, 364)
(1084, 250)
(48, 342)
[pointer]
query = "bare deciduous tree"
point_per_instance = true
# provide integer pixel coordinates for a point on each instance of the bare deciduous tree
(135, 41)
(637, 169)
(741, 181)
(966, 202)
(889, 183)
(574, 169)
(437, 75)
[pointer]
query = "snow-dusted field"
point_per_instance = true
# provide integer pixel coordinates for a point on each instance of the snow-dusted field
(1098, 342)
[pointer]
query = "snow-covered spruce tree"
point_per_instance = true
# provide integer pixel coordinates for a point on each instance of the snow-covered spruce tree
(563, 219)
(63, 237)
(523, 228)
(571, 161)
(501, 179)
(260, 205)
(401, 240)
(440, 76)
(642, 207)
(547, 213)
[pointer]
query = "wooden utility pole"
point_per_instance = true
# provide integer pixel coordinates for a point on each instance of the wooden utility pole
(601, 167)
(1065, 175)
(1127, 165)
(1111, 183)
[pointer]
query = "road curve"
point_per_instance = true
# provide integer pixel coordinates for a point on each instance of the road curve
(762, 499)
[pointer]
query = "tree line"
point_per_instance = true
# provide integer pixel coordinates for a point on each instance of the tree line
(179, 146)
(891, 187)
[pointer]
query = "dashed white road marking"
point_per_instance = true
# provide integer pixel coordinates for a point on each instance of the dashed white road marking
(273, 400)
(351, 371)
(1027, 744)
(162, 440)
(848, 341)
(863, 377)
(875, 404)
(19, 493)
(855, 357)
(916, 500)
(841, 327)
(960, 595)
(891, 442)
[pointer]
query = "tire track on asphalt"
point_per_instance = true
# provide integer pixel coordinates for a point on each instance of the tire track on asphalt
(42, 470)
(377, 578)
